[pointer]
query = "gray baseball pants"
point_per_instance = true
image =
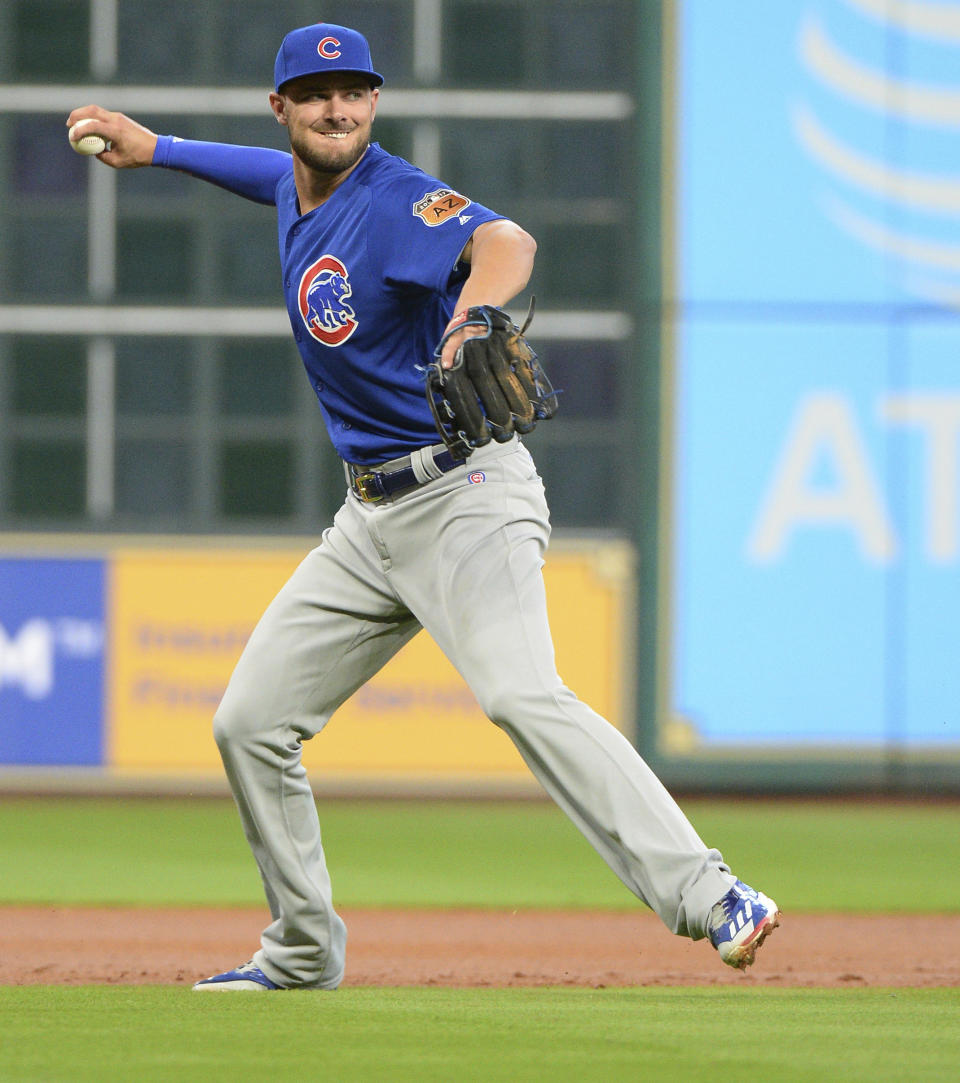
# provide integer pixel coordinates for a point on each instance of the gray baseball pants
(463, 560)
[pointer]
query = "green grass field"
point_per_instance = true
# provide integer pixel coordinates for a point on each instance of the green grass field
(492, 1035)
(822, 856)
(811, 856)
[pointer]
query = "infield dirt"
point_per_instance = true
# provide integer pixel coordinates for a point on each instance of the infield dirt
(92, 945)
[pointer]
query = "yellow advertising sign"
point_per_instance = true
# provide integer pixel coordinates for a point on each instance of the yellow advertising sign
(179, 620)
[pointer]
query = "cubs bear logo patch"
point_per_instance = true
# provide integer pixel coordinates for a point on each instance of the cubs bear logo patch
(476, 477)
(322, 299)
(440, 206)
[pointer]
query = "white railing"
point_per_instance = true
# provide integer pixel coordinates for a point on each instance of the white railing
(538, 105)
(235, 322)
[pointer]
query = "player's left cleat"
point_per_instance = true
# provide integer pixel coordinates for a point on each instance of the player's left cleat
(740, 922)
(246, 978)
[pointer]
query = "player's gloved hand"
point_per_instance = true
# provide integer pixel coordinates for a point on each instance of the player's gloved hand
(495, 387)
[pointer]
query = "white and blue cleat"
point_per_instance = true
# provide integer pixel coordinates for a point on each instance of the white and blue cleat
(740, 922)
(246, 978)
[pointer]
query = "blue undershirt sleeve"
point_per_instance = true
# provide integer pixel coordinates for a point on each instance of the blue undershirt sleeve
(251, 172)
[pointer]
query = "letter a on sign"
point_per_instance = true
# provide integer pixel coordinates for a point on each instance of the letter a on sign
(824, 432)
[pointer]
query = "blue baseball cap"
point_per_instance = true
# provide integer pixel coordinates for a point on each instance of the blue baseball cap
(323, 47)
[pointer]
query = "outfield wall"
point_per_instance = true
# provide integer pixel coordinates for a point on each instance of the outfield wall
(114, 655)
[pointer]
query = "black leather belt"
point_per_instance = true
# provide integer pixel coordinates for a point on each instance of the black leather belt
(372, 483)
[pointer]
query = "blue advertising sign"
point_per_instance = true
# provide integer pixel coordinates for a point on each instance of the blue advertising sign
(51, 661)
(816, 441)
(817, 150)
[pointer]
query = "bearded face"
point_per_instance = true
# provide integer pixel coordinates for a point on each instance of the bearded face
(329, 119)
(327, 150)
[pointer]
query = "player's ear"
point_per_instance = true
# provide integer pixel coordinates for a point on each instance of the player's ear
(278, 103)
(374, 95)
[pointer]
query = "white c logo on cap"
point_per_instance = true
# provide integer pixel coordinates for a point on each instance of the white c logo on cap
(322, 49)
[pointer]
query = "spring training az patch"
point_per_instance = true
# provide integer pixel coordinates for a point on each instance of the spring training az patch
(438, 207)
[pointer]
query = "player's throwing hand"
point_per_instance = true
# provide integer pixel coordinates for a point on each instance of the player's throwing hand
(130, 145)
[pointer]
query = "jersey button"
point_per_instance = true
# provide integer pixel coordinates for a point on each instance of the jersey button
(319, 385)
(347, 425)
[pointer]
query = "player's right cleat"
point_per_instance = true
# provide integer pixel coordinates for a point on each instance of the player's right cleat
(740, 922)
(246, 978)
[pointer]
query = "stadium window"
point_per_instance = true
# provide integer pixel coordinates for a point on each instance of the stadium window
(483, 45)
(155, 260)
(153, 477)
(580, 263)
(46, 34)
(577, 477)
(48, 377)
(256, 479)
(160, 46)
(153, 377)
(587, 374)
(256, 378)
(588, 45)
(48, 478)
(45, 164)
(47, 256)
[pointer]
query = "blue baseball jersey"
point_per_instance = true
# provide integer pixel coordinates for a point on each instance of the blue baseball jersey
(370, 279)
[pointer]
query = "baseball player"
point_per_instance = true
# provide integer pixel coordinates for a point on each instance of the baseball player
(380, 264)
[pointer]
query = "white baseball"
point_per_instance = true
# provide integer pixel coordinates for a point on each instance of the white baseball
(86, 144)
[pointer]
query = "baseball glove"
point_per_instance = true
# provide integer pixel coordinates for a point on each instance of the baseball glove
(495, 388)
